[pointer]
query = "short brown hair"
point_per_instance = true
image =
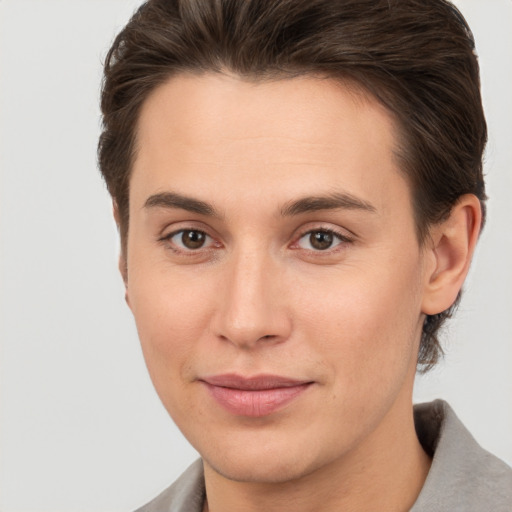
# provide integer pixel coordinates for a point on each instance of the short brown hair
(417, 57)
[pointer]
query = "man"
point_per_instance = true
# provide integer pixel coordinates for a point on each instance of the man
(298, 187)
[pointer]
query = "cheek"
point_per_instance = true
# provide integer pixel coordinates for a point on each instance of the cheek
(171, 317)
(365, 333)
(169, 304)
(366, 328)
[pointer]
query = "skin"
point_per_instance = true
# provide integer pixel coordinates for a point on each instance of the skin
(259, 298)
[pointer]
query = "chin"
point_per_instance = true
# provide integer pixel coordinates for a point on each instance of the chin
(257, 461)
(271, 470)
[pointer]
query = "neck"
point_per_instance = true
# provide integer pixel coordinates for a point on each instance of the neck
(385, 472)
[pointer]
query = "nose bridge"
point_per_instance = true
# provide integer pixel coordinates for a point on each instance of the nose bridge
(250, 309)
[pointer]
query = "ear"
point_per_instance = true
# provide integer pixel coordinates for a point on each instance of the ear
(122, 263)
(449, 254)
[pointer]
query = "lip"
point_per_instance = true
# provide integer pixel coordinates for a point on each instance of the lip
(256, 396)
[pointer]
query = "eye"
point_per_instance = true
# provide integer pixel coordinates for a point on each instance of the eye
(320, 240)
(189, 239)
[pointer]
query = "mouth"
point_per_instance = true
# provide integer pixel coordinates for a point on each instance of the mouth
(256, 396)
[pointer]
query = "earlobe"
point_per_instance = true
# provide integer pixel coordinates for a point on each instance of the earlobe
(453, 242)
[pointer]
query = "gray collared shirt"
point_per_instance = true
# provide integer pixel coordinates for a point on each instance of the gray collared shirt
(463, 476)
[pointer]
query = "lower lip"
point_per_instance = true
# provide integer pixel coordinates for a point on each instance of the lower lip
(255, 403)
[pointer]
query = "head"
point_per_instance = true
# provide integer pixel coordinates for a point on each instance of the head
(298, 188)
(414, 58)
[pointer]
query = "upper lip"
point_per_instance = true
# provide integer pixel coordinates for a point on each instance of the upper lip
(255, 383)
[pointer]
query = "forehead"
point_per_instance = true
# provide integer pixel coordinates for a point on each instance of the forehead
(307, 131)
(204, 108)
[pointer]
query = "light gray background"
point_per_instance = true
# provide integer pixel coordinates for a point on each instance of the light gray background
(81, 427)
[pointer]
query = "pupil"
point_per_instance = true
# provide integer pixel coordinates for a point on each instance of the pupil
(321, 240)
(193, 239)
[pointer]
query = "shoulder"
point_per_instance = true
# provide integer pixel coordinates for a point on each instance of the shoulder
(463, 476)
(186, 494)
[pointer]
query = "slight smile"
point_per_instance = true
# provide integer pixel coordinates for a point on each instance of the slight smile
(256, 396)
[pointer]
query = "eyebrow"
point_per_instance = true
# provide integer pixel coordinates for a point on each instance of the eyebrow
(334, 201)
(178, 201)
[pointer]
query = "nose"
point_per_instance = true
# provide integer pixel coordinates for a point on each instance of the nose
(252, 308)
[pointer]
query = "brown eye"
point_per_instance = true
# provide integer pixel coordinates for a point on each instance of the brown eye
(193, 239)
(321, 240)
(189, 239)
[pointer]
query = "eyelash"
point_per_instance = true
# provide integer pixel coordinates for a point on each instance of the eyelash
(341, 238)
(167, 239)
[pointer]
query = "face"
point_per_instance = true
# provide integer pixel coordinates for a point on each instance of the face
(273, 271)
